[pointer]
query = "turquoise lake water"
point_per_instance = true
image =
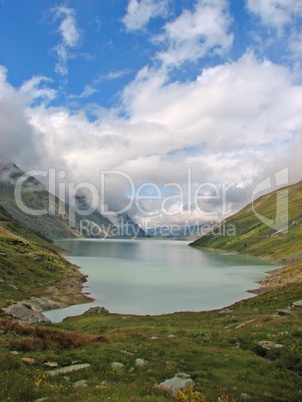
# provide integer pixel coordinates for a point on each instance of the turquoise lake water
(159, 276)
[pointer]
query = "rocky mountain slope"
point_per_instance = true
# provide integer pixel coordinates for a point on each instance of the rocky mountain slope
(57, 223)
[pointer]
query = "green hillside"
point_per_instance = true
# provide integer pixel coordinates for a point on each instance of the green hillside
(31, 266)
(254, 237)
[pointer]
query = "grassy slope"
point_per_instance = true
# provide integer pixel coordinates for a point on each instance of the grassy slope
(221, 358)
(255, 237)
(21, 276)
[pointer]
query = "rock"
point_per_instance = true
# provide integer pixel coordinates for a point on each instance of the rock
(97, 310)
(183, 375)
(14, 352)
(140, 362)
(226, 311)
(28, 360)
(104, 383)
(25, 315)
(180, 381)
(131, 371)
(44, 304)
(42, 399)
(172, 336)
(35, 256)
(268, 345)
(51, 268)
(154, 337)
(117, 366)
(3, 255)
(297, 303)
(244, 396)
(284, 312)
(51, 364)
(68, 369)
(80, 384)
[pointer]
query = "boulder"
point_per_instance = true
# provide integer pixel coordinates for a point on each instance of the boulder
(140, 362)
(117, 366)
(180, 381)
(24, 315)
(297, 303)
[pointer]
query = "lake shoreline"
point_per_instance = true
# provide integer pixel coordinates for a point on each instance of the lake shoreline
(89, 300)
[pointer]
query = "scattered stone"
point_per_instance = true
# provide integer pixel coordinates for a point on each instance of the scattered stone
(117, 366)
(140, 362)
(75, 362)
(96, 310)
(131, 371)
(297, 303)
(51, 364)
(154, 337)
(68, 369)
(51, 268)
(126, 353)
(226, 311)
(124, 318)
(268, 345)
(244, 324)
(42, 399)
(102, 386)
(284, 312)
(25, 315)
(3, 254)
(172, 336)
(35, 256)
(14, 352)
(80, 384)
(244, 396)
(180, 381)
(28, 360)
(278, 346)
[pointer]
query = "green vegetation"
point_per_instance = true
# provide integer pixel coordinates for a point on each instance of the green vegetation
(254, 237)
(30, 264)
(221, 355)
(221, 352)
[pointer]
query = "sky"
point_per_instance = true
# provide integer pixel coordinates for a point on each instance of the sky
(160, 90)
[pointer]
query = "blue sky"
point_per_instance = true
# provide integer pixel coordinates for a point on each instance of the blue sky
(144, 86)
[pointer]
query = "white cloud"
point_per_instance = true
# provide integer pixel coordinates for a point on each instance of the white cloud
(32, 89)
(196, 33)
(234, 123)
(139, 12)
(70, 37)
(87, 92)
(275, 13)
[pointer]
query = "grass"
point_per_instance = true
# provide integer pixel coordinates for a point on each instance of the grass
(220, 358)
(219, 351)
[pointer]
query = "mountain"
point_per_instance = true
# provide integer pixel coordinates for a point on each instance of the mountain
(247, 233)
(59, 221)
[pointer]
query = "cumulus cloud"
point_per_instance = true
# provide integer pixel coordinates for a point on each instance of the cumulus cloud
(34, 90)
(195, 33)
(235, 123)
(17, 136)
(70, 37)
(140, 12)
(275, 13)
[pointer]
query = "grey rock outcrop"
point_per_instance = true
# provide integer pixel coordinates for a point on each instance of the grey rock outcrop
(25, 315)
